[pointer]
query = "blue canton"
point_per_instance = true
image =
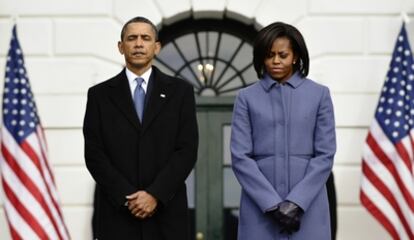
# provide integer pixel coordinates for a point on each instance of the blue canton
(395, 111)
(19, 109)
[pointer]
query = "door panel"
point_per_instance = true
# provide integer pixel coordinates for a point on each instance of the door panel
(217, 190)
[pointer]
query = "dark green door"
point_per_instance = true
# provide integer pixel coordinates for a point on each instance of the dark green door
(216, 190)
(214, 55)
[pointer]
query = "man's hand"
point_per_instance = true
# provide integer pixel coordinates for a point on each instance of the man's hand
(141, 204)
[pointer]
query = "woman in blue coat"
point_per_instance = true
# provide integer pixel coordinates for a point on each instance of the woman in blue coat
(283, 143)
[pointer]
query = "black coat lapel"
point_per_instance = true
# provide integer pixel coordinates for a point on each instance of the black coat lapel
(121, 96)
(161, 90)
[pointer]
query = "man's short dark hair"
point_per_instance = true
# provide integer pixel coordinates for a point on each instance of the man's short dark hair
(139, 19)
(264, 41)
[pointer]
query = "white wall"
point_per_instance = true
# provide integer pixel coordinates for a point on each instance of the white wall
(70, 45)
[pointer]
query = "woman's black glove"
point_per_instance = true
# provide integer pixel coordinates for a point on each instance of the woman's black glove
(287, 215)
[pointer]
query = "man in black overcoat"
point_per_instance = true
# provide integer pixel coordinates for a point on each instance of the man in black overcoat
(141, 142)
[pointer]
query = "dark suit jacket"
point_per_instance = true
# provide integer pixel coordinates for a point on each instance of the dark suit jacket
(124, 156)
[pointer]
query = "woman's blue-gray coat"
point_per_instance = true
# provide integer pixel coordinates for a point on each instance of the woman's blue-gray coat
(282, 146)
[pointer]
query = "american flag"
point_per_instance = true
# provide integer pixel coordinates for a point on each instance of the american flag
(30, 197)
(387, 187)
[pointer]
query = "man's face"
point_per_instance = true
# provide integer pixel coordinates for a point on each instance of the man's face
(139, 46)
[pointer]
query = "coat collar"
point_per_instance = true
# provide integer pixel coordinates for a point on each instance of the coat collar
(160, 92)
(294, 81)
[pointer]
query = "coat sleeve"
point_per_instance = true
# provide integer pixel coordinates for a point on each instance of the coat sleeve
(247, 172)
(183, 158)
(320, 165)
(113, 183)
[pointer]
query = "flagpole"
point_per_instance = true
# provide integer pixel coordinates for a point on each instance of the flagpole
(405, 17)
(15, 18)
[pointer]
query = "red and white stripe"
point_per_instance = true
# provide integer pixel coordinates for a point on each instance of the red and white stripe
(31, 199)
(387, 187)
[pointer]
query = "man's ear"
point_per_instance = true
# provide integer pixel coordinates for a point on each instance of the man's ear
(157, 47)
(120, 47)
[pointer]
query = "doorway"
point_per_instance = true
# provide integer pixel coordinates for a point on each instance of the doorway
(217, 192)
(214, 55)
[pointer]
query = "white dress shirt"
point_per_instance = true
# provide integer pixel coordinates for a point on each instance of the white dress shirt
(133, 84)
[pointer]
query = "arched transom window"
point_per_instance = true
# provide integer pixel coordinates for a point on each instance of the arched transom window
(215, 56)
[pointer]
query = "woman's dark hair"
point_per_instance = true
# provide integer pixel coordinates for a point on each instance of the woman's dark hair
(264, 41)
(141, 20)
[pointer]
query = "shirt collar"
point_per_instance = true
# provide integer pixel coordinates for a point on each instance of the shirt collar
(132, 76)
(294, 81)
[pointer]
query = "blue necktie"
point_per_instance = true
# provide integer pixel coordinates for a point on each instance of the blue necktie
(139, 98)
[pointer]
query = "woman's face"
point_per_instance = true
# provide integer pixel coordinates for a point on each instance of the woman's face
(279, 61)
